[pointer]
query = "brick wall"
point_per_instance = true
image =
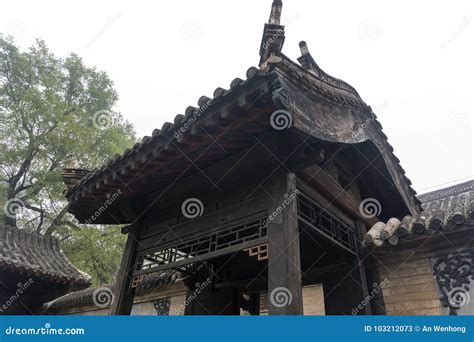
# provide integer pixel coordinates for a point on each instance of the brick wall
(410, 288)
(313, 300)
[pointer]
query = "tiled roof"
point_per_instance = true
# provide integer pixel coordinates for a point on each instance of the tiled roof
(84, 298)
(164, 140)
(158, 154)
(38, 256)
(443, 210)
(236, 115)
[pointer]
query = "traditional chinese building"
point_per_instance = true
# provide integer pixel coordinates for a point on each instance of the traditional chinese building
(415, 269)
(284, 190)
(427, 260)
(33, 270)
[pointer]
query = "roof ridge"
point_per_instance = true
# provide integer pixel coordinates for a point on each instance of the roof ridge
(24, 237)
(449, 191)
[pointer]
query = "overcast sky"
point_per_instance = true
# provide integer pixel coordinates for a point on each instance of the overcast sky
(410, 60)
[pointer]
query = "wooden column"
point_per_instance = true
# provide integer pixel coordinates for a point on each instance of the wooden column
(361, 260)
(284, 266)
(346, 291)
(123, 292)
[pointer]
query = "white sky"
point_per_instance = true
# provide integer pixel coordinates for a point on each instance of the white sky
(410, 60)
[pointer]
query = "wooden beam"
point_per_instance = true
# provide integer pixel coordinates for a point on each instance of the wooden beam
(284, 264)
(320, 180)
(123, 292)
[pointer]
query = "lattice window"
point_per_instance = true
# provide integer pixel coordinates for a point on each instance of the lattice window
(310, 214)
(218, 240)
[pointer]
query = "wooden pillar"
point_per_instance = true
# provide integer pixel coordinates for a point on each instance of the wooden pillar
(284, 266)
(347, 291)
(365, 289)
(361, 260)
(123, 292)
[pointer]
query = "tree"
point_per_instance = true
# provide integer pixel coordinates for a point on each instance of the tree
(97, 250)
(51, 109)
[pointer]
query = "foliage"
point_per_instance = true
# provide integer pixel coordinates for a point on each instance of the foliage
(48, 112)
(103, 247)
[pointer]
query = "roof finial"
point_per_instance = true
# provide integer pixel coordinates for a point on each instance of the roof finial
(304, 48)
(307, 61)
(275, 14)
(273, 35)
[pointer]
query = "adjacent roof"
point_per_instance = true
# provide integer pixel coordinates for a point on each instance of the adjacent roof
(84, 298)
(39, 257)
(444, 210)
